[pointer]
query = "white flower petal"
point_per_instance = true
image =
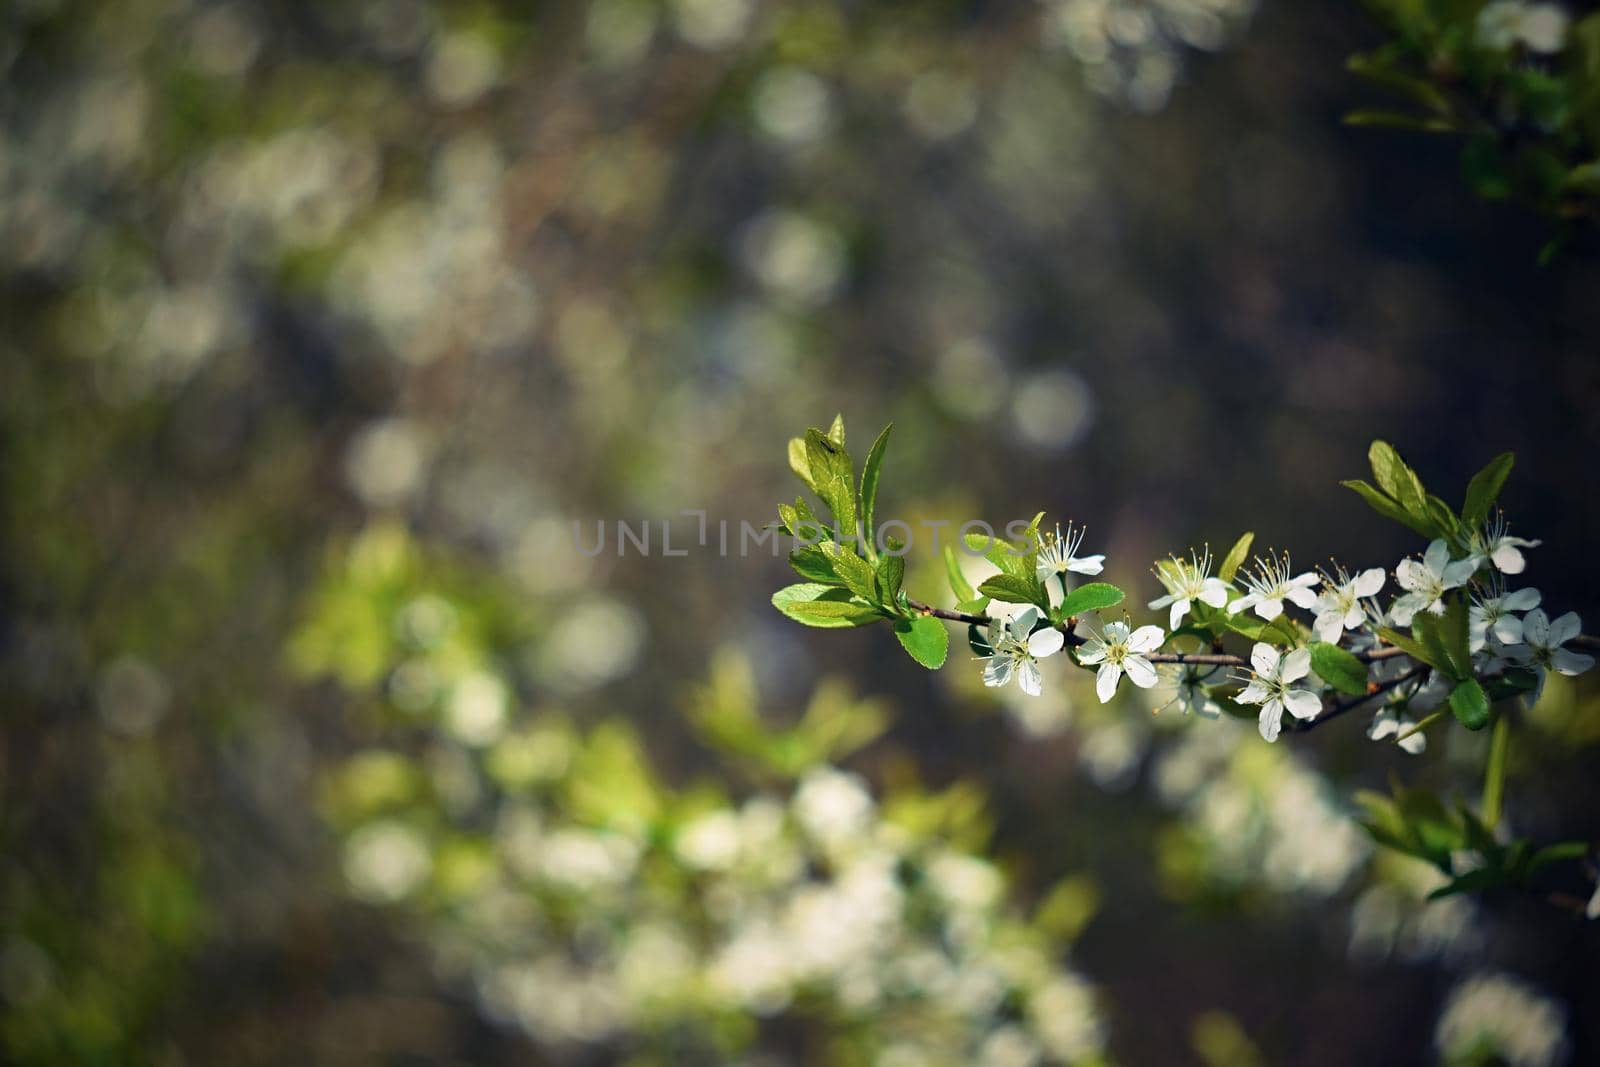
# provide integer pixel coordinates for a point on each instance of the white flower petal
(1087, 565)
(1565, 629)
(1214, 591)
(1507, 559)
(1368, 582)
(1105, 682)
(1302, 597)
(1046, 642)
(1437, 558)
(1263, 658)
(1411, 575)
(1520, 600)
(1303, 703)
(1570, 663)
(1329, 626)
(1140, 672)
(1023, 622)
(1180, 608)
(1029, 678)
(1296, 665)
(1458, 573)
(1405, 608)
(1536, 628)
(998, 671)
(1146, 639)
(1270, 608)
(1507, 630)
(1271, 720)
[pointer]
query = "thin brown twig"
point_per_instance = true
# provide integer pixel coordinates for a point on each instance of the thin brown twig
(1344, 706)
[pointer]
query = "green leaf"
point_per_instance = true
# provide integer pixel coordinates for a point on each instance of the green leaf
(1277, 632)
(797, 462)
(925, 638)
(1415, 649)
(1565, 850)
(1469, 704)
(1444, 520)
(1425, 628)
(1339, 668)
(835, 479)
(1453, 635)
(855, 572)
(1095, 596)
(814, 565)
(1236, 557)
(1484, 489)
(1011, 589)
(824, 606)
(1398, 480)
(958, 581)
(1387, 507)
(1013, 559)
(978, 641)
(978, 605)
(891, 573)
(801, 523)
(836, 431)
(1477, 881)
(869, 484)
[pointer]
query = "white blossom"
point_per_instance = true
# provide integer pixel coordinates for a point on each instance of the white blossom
(1058, 556)
(1389, 722)
(1120, 652)
(1339, 606)
(1491, 615)
(1015, 650)
(1187, 581)
(1494, 1016)
(1185, 685)
(1272, 686)
(1427, 582)
(1540, 27)
(1272, 584)
(1495, 544)
(1541, 647)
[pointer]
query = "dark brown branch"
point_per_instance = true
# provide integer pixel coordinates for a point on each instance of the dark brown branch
(1342, 707)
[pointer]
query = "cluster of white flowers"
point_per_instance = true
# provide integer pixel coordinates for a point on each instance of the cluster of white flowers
(1507, 629)
(1499, 1018)
(1506, 24)
(586, 932)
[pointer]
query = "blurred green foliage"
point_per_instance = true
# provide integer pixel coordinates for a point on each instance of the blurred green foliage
(1519, 81)
(320, 322)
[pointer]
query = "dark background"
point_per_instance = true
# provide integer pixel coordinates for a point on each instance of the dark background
(221, 273)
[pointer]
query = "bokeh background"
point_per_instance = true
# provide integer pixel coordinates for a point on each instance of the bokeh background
(321, 325)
